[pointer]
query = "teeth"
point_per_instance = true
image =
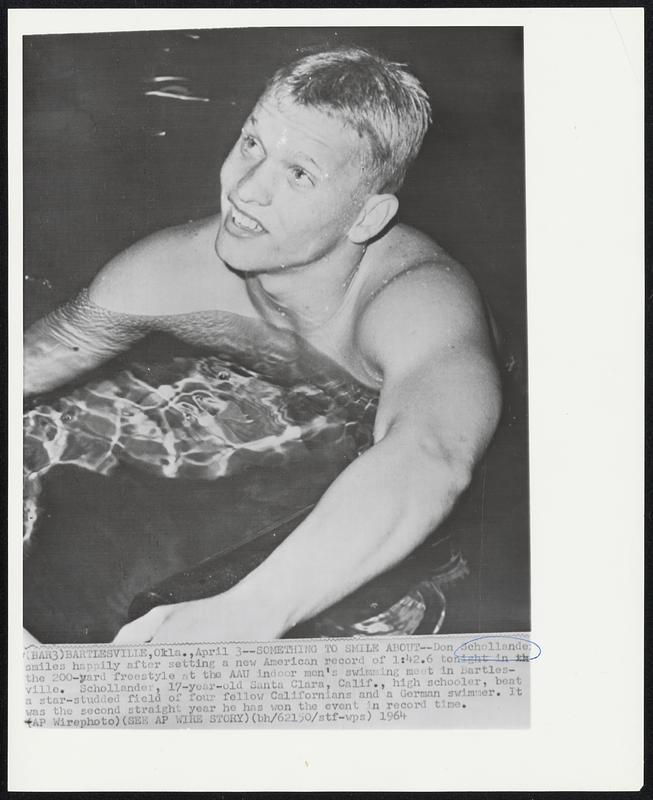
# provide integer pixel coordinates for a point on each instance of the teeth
(245, 222)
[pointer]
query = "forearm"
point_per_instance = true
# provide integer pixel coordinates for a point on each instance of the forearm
(73, 339)
(378, 510)
(52, 356)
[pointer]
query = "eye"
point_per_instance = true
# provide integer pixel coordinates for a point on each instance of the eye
(248, 144)
(300, 177)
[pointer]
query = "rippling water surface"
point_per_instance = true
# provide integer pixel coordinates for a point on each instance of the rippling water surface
(191, 418)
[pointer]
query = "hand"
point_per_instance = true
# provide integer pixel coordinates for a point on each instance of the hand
(214, 619)
(178, 622)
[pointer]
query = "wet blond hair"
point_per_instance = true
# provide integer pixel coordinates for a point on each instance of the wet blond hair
(381, 100)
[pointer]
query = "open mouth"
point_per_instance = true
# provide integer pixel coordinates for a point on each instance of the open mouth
(244, 223)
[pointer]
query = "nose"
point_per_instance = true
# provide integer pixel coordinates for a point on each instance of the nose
(256, 185)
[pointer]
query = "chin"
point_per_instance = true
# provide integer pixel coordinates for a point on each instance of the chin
(240, 256)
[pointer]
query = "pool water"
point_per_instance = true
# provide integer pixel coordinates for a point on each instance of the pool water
(191, 418)
(152, 465)
(168, 479)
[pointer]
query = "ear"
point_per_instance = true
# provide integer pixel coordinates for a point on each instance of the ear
(376, 213)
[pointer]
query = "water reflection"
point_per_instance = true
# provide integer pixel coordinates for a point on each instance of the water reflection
(188, 418)
(174, 88)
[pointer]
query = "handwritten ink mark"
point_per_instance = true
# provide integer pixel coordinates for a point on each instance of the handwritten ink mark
(491, 650)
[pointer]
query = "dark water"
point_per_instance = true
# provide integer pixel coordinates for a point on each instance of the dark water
(147, 468)
(124, 134)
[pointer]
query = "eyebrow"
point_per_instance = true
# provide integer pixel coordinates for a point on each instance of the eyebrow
(301, 155)
(252, 120)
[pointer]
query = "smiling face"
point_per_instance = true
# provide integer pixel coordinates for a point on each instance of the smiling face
(291, 188)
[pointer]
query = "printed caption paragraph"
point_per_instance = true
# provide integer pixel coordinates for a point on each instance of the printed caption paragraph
(413, 682)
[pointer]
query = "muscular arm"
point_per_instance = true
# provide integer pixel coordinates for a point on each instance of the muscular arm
(73, 339)
(438, 409)
(140, 283)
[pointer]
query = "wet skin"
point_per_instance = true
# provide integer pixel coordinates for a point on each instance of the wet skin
(304, 248)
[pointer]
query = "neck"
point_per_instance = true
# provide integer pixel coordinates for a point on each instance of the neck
(308, 296)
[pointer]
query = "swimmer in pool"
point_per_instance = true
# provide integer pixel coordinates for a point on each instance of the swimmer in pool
(307, 246)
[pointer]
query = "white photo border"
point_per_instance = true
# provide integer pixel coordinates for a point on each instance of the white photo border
(584, 101)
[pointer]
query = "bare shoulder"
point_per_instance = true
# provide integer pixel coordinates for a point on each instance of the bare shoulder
(422, 303)
(172, 271)
(408, 252)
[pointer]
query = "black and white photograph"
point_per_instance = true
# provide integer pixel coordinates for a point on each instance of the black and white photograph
(326, 380)
(275, 349)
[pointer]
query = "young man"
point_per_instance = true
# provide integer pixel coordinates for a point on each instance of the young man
(305, 244)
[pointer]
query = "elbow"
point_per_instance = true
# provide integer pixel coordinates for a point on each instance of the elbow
(430, 460)
(438, 479)
(460, 476)
(451, 467)
(452, 461)
(453, 474)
